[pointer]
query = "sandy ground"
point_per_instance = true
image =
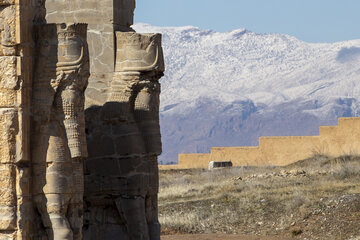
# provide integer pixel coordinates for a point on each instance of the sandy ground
(220, 237)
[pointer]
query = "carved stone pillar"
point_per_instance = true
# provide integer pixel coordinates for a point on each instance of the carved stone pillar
(121, 173)
(58, 142)
(140, 65)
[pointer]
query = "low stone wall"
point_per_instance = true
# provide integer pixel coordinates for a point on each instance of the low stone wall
(278, 151)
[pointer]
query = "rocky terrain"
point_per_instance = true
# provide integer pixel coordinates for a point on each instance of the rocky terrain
(227, 89)
(317, 198)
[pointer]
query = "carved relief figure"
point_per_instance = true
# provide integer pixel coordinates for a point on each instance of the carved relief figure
(125, 142)
(139, 66)
(59, 144)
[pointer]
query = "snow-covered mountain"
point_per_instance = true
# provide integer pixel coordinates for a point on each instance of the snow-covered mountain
(227, 89)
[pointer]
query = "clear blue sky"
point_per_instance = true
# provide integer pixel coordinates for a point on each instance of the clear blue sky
(308, 20)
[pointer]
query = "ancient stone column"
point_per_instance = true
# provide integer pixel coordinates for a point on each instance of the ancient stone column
(122, 119)
(121, 173)
(58, 138)
(140, 64)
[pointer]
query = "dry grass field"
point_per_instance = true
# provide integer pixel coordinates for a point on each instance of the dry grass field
(220, 237)
(317, 198)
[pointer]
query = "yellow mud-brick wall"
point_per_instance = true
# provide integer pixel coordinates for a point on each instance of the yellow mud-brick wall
(196, 160)
(280, 151)
(191, 160)
(342, 139)
(239, 156)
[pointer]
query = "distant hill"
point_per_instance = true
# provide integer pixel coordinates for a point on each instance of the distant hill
(227, 89)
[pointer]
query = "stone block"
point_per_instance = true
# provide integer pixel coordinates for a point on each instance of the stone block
(9, 98)
(7, 218)
(8, 73)
(101, 146)
(101, 49)
(128, 5)
(8, 131)
(124, 12)
(134, 185)
(139, 52)
(109, 166)
(129, 145)
(153, 144)
(7, 185)
(90, 11)
(8, 34)
(94, 185)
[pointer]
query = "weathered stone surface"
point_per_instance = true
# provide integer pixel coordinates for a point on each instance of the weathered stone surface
(24, 203)
(124, 138)
(101, 47)
(8, 131)
(43, 199)
(8, 218)
(103, 17)
(8, 36)
(16, 57)
(8, 73)
(8, 199)
(9, 98)
(139, 52)
(8, 185)
(123, 14)
(59, 143)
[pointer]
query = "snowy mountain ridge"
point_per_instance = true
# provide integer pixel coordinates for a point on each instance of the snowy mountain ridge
(252, 77)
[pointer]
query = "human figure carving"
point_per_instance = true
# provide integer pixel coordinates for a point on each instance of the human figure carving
(140, 65)
(59, 143)
(121, 173)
